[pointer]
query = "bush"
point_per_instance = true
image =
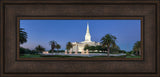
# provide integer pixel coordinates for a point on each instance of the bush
(114, 50)
(128, 53)
(25, 51)
(56, 51)
(34, 52)
(22, 50)
(92, 48)
(61, 50)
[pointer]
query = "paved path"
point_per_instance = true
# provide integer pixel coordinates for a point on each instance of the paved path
(88, 55)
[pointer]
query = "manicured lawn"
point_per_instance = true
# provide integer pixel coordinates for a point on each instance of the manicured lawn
(110, 56)
(48, 56)
(29, 56)
(63, 56)
(133, 56)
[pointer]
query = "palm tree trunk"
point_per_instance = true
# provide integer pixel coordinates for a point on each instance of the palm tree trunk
(108, 52)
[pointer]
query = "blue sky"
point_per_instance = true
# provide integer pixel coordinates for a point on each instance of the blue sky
(40, 32)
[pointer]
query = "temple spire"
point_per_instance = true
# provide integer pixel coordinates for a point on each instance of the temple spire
(87, 28)
(88, 36)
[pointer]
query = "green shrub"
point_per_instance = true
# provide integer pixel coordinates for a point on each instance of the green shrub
(128, 54)
(25, 51)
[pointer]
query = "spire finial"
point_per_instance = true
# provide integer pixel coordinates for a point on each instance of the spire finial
(87, 27)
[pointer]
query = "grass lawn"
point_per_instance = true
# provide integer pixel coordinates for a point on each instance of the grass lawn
(63, 56)
(133, 56)
(29, 56)
(48, 56)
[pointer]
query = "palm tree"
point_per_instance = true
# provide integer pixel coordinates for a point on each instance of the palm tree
(58, 47)
(115, 47)
(22, 36)
(39, 48)
(108, 40)
(53, 45)
(137, 47)
(69, 46)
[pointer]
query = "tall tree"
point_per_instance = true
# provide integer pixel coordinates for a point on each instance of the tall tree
(22, 36)
(58, 47)
(115, 47)
(108, 40)
(53, 45)
(137, 47)
(69, 46)
(39, 48)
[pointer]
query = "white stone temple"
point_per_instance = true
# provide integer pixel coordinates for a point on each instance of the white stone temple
(79, 46)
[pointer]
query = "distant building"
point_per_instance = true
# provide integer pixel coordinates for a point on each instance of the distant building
(45, 52)
(79, 46)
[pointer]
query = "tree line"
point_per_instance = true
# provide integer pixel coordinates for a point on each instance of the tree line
(102, 49)
(39, 48)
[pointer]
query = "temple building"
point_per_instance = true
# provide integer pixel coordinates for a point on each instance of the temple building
(79, 46)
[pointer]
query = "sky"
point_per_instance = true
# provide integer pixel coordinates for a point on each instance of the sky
(40, 32)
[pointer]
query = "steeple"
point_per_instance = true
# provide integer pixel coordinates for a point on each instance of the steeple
(87, 36)
(87, 28)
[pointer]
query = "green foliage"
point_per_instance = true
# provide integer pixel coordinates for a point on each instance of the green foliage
(69, 46)
(86, 47)
(27, 51)
(34, 52)
(39, 48)
(59, 51)
(92, 48)
(24, 50)
(128, 54)
(122, 51)
(108, 41)
(133, 52)
(58, 47)
(53, 45)
(116, 51)
(98, 48)
(137, 47)
(22, 36)
(104, 49)
(101, 48)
